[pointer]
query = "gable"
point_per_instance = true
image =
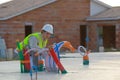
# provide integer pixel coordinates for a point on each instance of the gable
(97, 7)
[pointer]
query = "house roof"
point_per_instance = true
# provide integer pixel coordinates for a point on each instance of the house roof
(17, 7)
(110, 14)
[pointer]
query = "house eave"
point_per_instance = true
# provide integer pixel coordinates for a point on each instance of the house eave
(102, 19)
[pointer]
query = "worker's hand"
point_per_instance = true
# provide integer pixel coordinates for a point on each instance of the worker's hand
(88, 51)
(36, 54)
(50, 46)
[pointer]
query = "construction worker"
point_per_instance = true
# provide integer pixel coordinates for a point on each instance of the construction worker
(36, 40)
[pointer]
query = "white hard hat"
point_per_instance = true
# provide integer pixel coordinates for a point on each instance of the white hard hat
(48, 28)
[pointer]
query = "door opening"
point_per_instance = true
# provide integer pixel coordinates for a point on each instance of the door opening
(109, 36)
(83, 30)
(28, 30)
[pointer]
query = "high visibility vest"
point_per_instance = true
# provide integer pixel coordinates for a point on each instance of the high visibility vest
(38, 36)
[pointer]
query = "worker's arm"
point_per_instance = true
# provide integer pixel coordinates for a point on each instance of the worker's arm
(33, 42)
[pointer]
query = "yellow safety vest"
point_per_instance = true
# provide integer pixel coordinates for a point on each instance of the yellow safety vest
(41, 43)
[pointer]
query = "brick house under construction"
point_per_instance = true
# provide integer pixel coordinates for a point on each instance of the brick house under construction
(82, 22)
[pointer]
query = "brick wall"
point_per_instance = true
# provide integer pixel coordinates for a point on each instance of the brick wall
(118, 36)
(11, 32)
(92, 37)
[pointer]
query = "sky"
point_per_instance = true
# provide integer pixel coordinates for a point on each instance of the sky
(109, 2)
(4, 1)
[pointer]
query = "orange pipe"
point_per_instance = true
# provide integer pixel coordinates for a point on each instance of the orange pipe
(69, 46)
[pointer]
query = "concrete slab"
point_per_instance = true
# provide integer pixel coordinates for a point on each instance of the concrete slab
(103, 66)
